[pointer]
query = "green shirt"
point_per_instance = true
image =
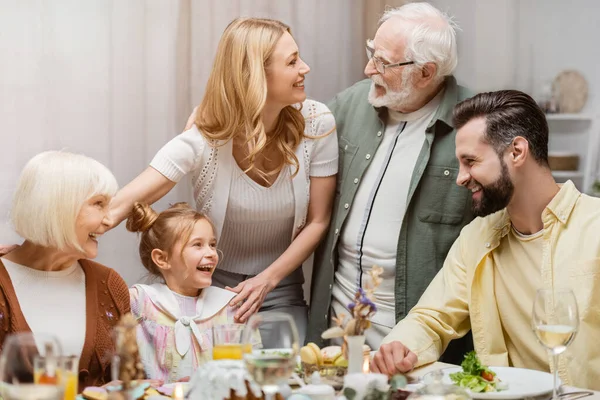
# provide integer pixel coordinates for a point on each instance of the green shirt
(437, 208)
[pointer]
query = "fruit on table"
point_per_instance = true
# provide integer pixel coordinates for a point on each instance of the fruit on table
(327, 356)
(340, 361)
(311, 354)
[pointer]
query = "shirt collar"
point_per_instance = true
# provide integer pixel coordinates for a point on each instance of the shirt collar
(210, 301)
(444, 110)
(563, 203)
(449, 101)
(560, 207)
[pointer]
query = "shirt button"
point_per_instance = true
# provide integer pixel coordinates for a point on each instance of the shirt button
(330, 287)
(368, 156)
(337, 231)
(487, 245)
(446, 172)
(326, 316)
(346, 206)
(379, 133)
(355, 180)
(346, 147)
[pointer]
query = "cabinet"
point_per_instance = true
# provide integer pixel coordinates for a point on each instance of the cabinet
(577, 134)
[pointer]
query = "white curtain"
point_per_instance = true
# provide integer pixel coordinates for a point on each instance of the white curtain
(116, 79)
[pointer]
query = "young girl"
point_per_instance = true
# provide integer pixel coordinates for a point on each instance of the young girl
(175, 318)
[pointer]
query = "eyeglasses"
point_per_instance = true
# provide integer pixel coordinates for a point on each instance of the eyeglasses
(379, 65)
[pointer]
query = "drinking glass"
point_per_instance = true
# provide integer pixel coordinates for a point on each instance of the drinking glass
(555, 320)
(271, 365)
(70, 376)
(30, 367)
(67, 373)
(227, 342)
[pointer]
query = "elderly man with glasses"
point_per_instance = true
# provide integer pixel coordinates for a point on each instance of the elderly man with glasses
(397, 203)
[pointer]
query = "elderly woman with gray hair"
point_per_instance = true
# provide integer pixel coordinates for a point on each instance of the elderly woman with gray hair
(48, 284)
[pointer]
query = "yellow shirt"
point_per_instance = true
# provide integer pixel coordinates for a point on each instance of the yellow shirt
(462, 295)
(517, 276)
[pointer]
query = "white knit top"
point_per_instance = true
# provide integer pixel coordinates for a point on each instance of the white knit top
(259, 223)
(44, 295)
(212, 165)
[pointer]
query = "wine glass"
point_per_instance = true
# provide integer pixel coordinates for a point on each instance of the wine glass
(555, 320)
(30, 367)
(272, 363)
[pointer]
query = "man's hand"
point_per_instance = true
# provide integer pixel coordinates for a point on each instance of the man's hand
(393, 358)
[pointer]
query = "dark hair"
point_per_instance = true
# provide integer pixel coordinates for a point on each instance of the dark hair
(162, 231)
(508, 114)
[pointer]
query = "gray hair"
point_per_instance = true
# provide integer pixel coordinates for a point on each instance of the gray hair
(431, 35)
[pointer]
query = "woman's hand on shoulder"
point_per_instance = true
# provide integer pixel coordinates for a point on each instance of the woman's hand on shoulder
(191, 119)
(251, 295)
(7, 248)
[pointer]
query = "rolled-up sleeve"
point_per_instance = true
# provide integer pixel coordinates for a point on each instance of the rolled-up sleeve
(441, 315)
(180, 155)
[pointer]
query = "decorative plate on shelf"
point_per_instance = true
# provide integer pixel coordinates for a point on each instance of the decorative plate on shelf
(570, 90)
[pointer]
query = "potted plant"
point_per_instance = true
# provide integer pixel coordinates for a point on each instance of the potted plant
(596, 188)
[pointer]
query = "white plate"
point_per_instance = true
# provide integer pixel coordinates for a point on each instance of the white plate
(521, 382)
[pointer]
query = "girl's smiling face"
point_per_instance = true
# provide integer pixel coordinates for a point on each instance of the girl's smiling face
(191, 265)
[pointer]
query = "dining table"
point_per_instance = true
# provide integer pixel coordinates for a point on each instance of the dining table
(418, 373)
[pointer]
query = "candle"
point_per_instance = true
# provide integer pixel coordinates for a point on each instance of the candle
(366, 364)
(178, 392)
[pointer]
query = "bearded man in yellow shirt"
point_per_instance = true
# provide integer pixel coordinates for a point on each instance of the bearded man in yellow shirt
(532, 233)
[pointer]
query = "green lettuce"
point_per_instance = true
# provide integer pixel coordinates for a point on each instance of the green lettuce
(470, 376)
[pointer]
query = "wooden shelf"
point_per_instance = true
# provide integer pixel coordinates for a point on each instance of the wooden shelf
(568, 117)
(567, 174)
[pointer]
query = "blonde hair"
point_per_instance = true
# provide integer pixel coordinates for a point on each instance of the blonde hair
(162, 231)
(51, 190)
(236, 93)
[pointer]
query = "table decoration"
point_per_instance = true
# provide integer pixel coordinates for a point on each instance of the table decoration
(353, 329)
(126, 364)
(359, 386)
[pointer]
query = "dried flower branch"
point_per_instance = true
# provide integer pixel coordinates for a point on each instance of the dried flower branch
(362, 309)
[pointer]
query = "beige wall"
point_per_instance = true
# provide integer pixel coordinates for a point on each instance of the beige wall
(373, 11)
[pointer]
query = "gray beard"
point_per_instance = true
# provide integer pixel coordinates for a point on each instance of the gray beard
(392, 100)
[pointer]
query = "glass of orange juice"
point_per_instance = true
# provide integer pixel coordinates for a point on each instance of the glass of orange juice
(67, 372)
(70, 373)
(227, 342)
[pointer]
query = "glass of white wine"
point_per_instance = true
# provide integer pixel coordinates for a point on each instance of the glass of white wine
(273, 363)
(555, 320)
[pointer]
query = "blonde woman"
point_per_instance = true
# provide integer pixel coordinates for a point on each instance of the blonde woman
(263, 161)
(49, 284)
